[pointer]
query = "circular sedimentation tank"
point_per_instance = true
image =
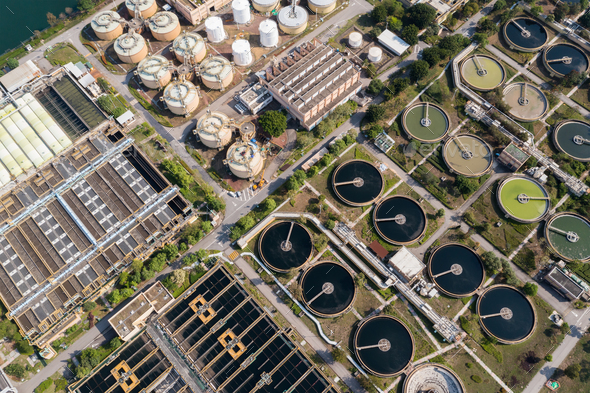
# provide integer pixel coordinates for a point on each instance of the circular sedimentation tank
(433, 378)
(527, 102)
(456, 270)
(264, 6)
(285, 245)
(328, 289)
(506, 314)
(572, 137)
(181, 97)
(321, 6)
(154, 71)
(568, 234)
(131, 48)
(561, 59)
(107, 25)
(399, 220)
(525, 34)
(383, 345)
(216, 72)
(190, 46)
(426, 122)
(468, 155)
(145, 8)
(244, 159)
(523, 199)
(293, 19)
(164, 26)
(483, 73)
(214, 129)
(357, 182)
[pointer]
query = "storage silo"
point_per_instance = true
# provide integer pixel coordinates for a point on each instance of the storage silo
(375, 54)
(241, 52)
(190, 46)
(106, 25)
(216, 72)
(355, 39)
(264, 6)
(154, 71)
(181, 97)
(131, 47)
(244, 159)
(322, 6)
(164, 26)
(214, 129)
(143, 8)
(247, 131)
(293, 19)
(214, 28)
(241, 10)
(269, 33)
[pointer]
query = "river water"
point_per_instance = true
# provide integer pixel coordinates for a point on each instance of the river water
(18, 16)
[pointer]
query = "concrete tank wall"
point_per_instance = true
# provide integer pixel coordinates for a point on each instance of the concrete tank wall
(131, 48)
(106, 26)
(216, 72)
(164, 26)
(265, 5)
(322, 7)
(146, 8)
(154, 72)
(181, 97)
(191, 44)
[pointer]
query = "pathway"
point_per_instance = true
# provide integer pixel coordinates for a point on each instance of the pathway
(485, 367)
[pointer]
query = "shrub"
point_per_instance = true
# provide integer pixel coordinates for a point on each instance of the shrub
(421, 15)
(339, 355)
(549, 358)
(43, 386)
(89, 306)
(273, 122)
(419, 70)
(410, 34)
(573, 371)
(375, 113)
(530, 289)
(469, 365)
(476, 378)
(12, 63)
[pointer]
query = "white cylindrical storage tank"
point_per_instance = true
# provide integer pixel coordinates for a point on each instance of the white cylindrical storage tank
(216, 72)
(241, 9)
(165, 26)
(265, 5)
(131, 48)
(241, 52)
(106, 25)
(214, 129)
(375, 54)
(181, 97)
(154, 71)
(189, 45)
(215, 31)
(355, 39)
(244, 159)
(145, 8)
(293, 20)
(322, 6)
(269, 33)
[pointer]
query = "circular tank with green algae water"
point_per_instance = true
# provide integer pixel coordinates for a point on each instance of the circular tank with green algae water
(509, 197)
(526, 104)
(468, 155)
(482, 72)
(556, 234)
(426, 123)
(573, 138)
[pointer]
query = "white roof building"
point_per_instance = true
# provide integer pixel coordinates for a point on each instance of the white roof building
(126, 118)
(19, 76)
(406, 264)
(392, 42)
(87, 80)
(73, 70)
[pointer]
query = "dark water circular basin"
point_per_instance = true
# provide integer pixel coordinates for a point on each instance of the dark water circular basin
(328, 289)
(391, 345)
(578, 59)
(573, 138)
(517, 320)
(537, 38)
(456, 270)
(576, 247)
(399, 220)
(357, 182)
(281, 256)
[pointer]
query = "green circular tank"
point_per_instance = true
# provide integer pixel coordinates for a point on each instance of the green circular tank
(568, 234)
(573, 138)
(482, 72)
(468, 155)
(426, 122)
(527, 102)
(523, 199)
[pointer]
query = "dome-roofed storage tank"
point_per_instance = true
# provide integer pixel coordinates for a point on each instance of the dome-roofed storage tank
(264, 6)
(383, 345)
(285, 245)
(506, 314)
(456, 270)
(568, 233)
(216, 72)
(399, 220)
(164, 26)
(572, 137)
(523, 198)
(214, 28)
(154, 71)
(241, 11)
(357, 182)
(244, 159)
(482, 72)
(525, 34)
(143, 8)
(131, 48)
(433, 378)
(527, 102)
(426, 122)
(293, 19)
(247, 131)
(241, 52)
(181, 97)
(269, 33)
(322, 6)
(189, 46)
(328, 289)
(214, 129)
(561, 59)
(355, 39)
(107, 25)
(468, 155)
(375, 54)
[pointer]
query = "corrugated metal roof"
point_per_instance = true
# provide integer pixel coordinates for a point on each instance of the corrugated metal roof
(20, 75)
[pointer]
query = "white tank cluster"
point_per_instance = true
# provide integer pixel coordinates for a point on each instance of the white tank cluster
(181, 97)
(164, 26)
(154, 71)
(241, 10)
(293, 19)
(375, 54)
(214, 129)
(241, 52)
(269, 33)
(131, 47)
(143, 8)
(190, 46)
(107, 25)
(244, 159)
(355, 39)
(214, 28)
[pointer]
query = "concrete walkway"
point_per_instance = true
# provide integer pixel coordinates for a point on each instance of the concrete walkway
(488, 370)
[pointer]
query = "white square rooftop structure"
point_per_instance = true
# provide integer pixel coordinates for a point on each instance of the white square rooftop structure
(392, 42)
(87, 80)
(75, 71)
(19, 76)
(406, 264)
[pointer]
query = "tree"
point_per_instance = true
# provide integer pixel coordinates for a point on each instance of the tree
(62, 15)
(440, 213)
(491, 262)
(585, 20)
(360, 280)
(16, 370)
(500, 5)
(178, 277)
(81, 372)
(375, 87)
(549, 358)
(273, 122)
(466, 185)
(312, 171)
(419, 70)
(410, 34)
(573, 78)
(89, 358)
(565, 328)
(487, 26)
(573, 371)
(339, 355)
(536, 10)
(206, 226)
(202, 254)
(330, 224)
(530, 289)
(421, 15)
(85, 5)
(379, 13)
(550, 18)
(395, 24)
(115, 343)
(51, 19)
(432, 55)
(269, 205)
(481, 38)
(374, 131)
(454, 43)
(114, 297)
(375, 113)
(12, 63)
(89, 306)
(176, 173)
(375, 32)
(126, 292)
(366, 383)
(214, 202)
(296, 291)
(24, 347)
(90, 320)
(470, 8)
(147, 274)
(170, 250)
(400, 84)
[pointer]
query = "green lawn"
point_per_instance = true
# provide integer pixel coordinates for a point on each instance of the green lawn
(62, 54)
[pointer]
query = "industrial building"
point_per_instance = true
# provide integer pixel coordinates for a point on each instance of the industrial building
(392, 42)
(312, 81)
(194, 12)
(255, 98)
(513, 157)
(569, 285)
(233, 344)
(443, 8)
(20, 76)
